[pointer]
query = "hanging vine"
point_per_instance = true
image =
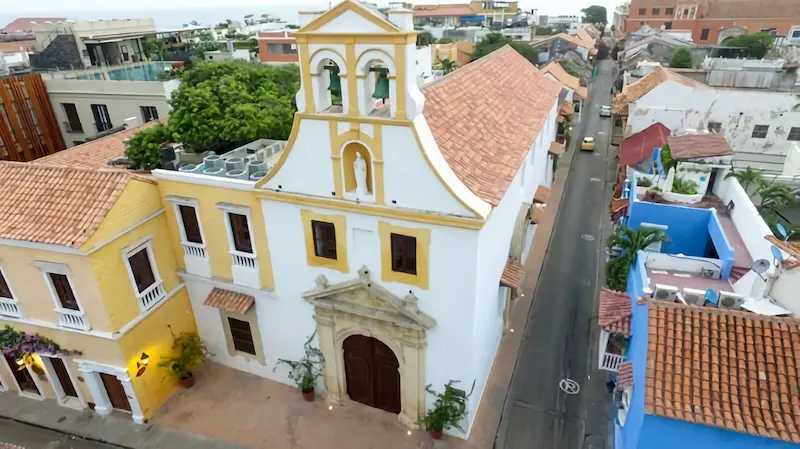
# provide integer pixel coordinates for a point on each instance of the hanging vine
(19, 345)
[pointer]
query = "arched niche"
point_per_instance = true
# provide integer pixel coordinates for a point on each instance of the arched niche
(367, 79)
(350, 152)
(323, 62)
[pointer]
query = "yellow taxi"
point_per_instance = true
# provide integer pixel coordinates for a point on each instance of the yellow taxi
(587, 144)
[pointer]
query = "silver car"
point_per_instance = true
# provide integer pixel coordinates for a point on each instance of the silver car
(605, 111)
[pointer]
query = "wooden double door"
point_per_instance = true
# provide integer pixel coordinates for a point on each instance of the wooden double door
(372, 372)
(116, 392)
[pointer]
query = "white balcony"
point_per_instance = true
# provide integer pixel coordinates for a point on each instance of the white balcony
(9, 307)
(73, 319)
(244, 267)
(151, 296)
(195, 257)
(611, 362)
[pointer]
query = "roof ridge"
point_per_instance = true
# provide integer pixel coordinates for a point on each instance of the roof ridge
(469, 67)
(34, 164)
(726, 312)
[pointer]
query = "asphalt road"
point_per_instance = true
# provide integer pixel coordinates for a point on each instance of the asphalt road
(560, 339)
(32, 437)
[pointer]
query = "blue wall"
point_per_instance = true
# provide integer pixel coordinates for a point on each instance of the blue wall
(666, 433)
(721, 244)
(687, 228)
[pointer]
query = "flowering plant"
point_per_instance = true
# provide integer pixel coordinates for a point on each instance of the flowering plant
(17, 344)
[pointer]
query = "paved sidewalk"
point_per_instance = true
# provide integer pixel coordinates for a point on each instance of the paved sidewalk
(118, 431)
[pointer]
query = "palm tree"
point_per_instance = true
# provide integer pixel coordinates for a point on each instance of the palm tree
(747, 177)
(775, 196)
(630, 242)
(448, 66)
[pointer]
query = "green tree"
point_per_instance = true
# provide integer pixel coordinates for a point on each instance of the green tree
(494, 41)
(682, 59)
(571, 67)
(629, 242)
(155, 48)
(144, 148)
(684, 186)
(754, 45)
(747, 177)
(199, 49)
(543, 31)
(666, 158)
(445, 40)
(447, 66)
(424, 39)
(595, 14)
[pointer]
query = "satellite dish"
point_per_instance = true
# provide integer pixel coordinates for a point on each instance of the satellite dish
(782, 231)
(777, 253)
(761, 266)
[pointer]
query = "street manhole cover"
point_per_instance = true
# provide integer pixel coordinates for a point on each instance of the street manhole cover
(595, 179)
(569, 386)
(588, 237)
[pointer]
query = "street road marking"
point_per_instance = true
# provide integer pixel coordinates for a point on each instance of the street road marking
(595, 179)
(602, 133)
(588, 237)
(569, 386)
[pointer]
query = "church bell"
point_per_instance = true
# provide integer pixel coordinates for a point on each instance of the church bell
(336, 83)
(381, 84)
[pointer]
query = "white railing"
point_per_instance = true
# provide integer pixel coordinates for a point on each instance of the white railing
(151, 295)
(9, 307)
(73, 319)
(243, 259)
(611, 362)
(194, 249)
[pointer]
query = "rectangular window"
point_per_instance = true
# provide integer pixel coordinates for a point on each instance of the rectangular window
(760, 131)
(240, 232)
(795, 34)
(794, 133)
(242, 336)
(149, 113)
(667, 25)
(324, 239)
(642, 11)
(101, 118)
(404, 254)
(714, 127)
(656, 11)
(142, 271)
(73, 120)
(282, 49)
(191, 227)
(63, 377)
(124, 50)
(66, 297)
(5, 291)
(669, 11)
(704, 34)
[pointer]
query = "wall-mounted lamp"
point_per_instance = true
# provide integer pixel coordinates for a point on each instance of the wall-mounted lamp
(141, 364)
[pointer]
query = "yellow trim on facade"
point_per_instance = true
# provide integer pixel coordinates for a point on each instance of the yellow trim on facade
(378, 164)
(373, 209)
(340, 227)
(305, 69)
(400, 82)
(336, 159)
(352, 82)
(344, 118)
(360, 38)
(347, 5)
(374, 145)
(285, 152)
(423, 236)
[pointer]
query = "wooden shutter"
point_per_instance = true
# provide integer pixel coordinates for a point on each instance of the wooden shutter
(64, 291)
(404, 254)
(5, 292)
(190, 225)
(242, 336)
(63, 377)
(241, 233)
(142, 270)
(324, 239)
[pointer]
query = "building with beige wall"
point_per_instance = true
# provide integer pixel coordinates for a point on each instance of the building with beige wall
(85, 262)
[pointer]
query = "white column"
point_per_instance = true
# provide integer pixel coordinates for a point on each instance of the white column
(102, 404)
(136, 409)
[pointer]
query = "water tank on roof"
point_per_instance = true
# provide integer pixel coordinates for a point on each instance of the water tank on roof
(237, 174)
(234, 163)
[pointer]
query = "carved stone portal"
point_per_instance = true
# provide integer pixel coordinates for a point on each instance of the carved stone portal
(361, 307)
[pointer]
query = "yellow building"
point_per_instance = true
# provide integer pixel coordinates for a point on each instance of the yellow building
(86, 261)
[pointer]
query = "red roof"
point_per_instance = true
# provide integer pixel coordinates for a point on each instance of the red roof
(615, 312)
(698, 145)
(640, 146)
(24, 25)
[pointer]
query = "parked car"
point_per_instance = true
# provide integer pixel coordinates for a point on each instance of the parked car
(587, 144)
(605, 111)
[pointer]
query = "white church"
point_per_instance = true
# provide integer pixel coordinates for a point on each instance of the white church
(393, 225)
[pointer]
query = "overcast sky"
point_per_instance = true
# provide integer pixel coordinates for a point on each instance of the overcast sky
(42, 7)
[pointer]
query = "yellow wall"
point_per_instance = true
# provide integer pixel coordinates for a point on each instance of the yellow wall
(152, 336)
(109, 268)
(214, 232)
(31, 289)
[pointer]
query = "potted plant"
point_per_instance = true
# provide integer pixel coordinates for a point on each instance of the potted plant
(449, 409)
(307, 370)
(189, 353)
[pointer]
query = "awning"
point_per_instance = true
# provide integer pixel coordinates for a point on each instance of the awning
(229, 301)
(512, 274)
(541, 195)
(556, 148)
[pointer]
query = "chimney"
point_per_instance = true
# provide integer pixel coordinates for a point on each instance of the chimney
(131, 122)
(402, 18)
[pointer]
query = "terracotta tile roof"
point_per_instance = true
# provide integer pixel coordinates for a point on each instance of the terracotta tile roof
(615, 312)
(56, 205)
(14, 46)
(485, 117)
(640, 146)
(569, 81)
(556, 148)
(9, 446)
(617, 204)
(571, 39)
(729, 369)
(566, 108)
(536, 214)
(229, 301)
(443, 10)
(691, 146)
(512, 274)
(24, 25)
(792, 248)
(752, 9)
(541, 195)
(94, 154)
(584, 35)
(625, 374)
(638, 89)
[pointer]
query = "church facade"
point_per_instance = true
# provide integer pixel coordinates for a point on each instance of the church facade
(386, 231)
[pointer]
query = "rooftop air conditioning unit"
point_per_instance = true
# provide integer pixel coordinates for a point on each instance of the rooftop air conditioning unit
(190, 168)
(731, 301)
(258, 175)
(234, 163)
(214, 171)
(665, 293)
(212, 161)
(256, 166)
(694, 296)
(237, 174)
